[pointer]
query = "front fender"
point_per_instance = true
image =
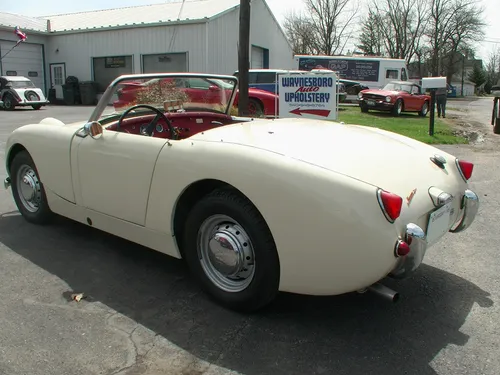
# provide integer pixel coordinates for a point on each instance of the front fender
(49, 147)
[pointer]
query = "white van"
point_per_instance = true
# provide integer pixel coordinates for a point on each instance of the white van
(373, 72)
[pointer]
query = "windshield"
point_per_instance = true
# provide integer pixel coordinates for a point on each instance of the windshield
(397, 87)
(174, 93)
(20, 84)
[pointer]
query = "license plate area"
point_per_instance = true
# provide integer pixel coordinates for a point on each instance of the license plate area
(370, 102)
(439, 222)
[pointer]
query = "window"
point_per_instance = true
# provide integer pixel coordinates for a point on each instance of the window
(404, 76)
(391, 74)
(58, 75)
(266, 77)
(415, 90)
(32, 74)
(11, 73)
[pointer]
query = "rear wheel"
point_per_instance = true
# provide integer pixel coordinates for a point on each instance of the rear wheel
(9, 102)
(496, 127)
(36, 107)
(230, 250)
(28, 190)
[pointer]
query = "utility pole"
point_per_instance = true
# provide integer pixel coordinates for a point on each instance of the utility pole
(244, 57)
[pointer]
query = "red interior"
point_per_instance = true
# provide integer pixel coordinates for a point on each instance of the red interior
(186, 123)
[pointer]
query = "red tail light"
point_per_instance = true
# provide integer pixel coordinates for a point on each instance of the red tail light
(390, 204)
(402, 249)
(465, 168)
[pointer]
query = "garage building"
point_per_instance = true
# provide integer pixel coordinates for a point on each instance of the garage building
(190, 35)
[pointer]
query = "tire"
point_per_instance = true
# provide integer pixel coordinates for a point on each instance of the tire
(255, 108)
(364, 108)
(424, 110)
(235, 218)
(9, 103)
(36, 107)
(496, 127)
(23, 173)
(398, 108)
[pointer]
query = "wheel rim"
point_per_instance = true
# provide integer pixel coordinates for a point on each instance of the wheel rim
(226, 253)
(425, 108)
(28, 188)
(7, 103)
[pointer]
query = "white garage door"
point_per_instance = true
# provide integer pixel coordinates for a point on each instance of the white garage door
(257, 58)
(24, 60)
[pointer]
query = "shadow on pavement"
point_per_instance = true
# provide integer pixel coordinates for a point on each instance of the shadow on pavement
(350, 334)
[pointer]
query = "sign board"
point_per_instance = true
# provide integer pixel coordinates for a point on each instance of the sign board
(311, 95)
(357, 70)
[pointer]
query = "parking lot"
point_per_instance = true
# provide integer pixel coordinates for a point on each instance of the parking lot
(144, 315)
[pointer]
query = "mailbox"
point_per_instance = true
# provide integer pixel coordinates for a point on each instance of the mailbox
(434, 83)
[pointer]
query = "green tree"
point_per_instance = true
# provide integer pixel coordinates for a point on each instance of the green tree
(477, 76)
(370, 42)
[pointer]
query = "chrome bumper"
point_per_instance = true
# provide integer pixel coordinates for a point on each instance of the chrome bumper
(415, 238)
(6, 183)
(469, 207)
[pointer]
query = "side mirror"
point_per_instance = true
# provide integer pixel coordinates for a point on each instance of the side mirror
(94, 129)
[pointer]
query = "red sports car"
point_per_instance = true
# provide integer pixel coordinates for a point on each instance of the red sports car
(396, 97)
(199, 90)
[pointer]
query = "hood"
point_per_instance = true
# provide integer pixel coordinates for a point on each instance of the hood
(374, 156)
(380, 92)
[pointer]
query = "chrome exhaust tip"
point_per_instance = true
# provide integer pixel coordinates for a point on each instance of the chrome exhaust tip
(385, 292)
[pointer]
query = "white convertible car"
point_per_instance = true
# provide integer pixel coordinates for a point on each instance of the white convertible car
(254, 206)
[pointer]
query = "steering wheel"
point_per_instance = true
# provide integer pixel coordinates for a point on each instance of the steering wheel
(152, 125)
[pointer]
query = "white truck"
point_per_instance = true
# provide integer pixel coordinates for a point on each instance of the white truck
(374, 72)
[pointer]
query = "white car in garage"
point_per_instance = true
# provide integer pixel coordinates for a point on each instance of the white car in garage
(18, 91)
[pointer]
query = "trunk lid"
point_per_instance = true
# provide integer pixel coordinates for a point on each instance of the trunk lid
(383, 159)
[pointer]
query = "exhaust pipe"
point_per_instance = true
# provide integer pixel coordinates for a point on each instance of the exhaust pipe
(384, 291)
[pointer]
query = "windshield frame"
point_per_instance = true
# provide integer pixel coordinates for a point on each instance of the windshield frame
(97, 114)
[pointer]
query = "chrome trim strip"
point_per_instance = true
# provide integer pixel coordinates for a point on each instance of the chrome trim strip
(470, 206)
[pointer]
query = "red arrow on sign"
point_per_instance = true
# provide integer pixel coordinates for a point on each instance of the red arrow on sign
(317, 112)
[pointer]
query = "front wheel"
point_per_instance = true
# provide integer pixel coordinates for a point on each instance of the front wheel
(398, 108)
(28, 191)
(496, 127)
(424, 110)
(230, 250)
(9, 103)
(36, 107)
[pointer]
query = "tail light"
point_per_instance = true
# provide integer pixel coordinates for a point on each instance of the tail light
(465, 168)
(402, 248)
(390, 204)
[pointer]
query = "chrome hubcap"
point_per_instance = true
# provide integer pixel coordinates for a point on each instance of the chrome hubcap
(28, 187)
(226, 253)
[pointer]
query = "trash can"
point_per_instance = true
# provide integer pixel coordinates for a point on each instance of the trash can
(69, 94)
(88, 92)
(71, 91)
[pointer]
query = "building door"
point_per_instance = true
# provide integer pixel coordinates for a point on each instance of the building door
(165, 63)
(25, 60)
(57, 78)
(257, 58)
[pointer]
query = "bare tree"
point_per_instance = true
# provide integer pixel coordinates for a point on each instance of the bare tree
(492, 70)
(401, 25)
(453, 26)
(298, 31)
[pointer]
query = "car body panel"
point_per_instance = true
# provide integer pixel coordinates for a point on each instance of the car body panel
(314, 182)
(413, 100)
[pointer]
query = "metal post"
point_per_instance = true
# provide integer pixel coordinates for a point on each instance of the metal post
(243, 57)
(431, 116)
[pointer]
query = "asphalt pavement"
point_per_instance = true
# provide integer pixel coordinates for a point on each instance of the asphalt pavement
(144, 315)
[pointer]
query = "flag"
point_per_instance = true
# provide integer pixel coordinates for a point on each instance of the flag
(22, 36)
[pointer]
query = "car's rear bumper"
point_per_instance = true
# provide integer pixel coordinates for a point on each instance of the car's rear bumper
(416, 238)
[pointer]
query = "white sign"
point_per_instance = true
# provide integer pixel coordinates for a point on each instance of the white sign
(311, 95)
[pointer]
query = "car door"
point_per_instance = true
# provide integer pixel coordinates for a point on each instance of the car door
(115, 173)
(418, 98)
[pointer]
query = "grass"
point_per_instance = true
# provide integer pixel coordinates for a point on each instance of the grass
(408, 124)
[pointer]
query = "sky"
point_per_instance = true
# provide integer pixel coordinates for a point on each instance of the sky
(280, 8)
